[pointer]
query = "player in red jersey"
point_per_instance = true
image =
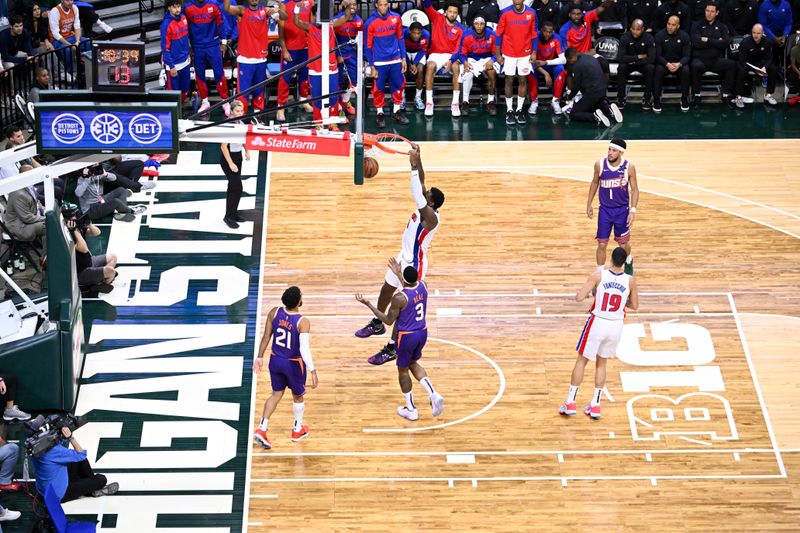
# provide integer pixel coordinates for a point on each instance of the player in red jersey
(446, 34)
(294, 51)
(515, 35)
(577, 31)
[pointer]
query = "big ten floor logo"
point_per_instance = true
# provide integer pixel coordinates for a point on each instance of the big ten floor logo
(699, 416)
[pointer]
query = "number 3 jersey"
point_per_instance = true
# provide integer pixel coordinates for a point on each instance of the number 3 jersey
(285, 334)
(612, 295)
(412, 316)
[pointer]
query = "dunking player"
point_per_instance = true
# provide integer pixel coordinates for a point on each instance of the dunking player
(294, 51)
(416, 239)
(205, 27)
(614, 175)
(615, 290)
(348, 69)
(409, 307)
(290, 362)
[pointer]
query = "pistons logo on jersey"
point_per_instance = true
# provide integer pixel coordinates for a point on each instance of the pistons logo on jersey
(413, 217)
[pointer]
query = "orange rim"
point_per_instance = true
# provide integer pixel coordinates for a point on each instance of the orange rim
(399, 144)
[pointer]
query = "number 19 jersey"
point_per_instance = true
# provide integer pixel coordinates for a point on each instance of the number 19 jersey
(612, 295)
(286, 334)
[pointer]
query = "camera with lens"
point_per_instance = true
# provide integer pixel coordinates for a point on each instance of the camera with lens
(72, 212)
(42, 433)
(94, 170)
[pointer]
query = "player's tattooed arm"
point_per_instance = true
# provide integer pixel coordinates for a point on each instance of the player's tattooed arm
(586, 289)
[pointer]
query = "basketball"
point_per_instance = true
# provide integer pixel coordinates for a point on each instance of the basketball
(371, 167)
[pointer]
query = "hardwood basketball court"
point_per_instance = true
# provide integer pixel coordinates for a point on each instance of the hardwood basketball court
(698, 427)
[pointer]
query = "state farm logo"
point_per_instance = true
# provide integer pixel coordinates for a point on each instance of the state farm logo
(266, 142)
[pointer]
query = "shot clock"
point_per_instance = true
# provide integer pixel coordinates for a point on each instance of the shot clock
(118, 67)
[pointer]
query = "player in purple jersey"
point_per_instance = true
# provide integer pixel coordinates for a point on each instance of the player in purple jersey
(289, 363)
(409, 307)
(615, 178)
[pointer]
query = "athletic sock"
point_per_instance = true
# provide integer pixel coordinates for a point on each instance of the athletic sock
(573, 392)
(629, 259)
(299, 409)
(490, 98)
(520, 102)
(395, 108)
(429, 96)
(390, 345)
(418, 93)
(426, 383)
(510, 103)
(456, 96)
(263, 424)
(596, 397)
(409, 401)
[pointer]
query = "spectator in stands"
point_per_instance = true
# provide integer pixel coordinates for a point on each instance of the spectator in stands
(446, 34)
(205, 28)
(36, 22)
(89, 18)
(65, 29)
(69, 472)
(15, 137)
(385, 53)
(128, 171)
(671, 8)
(548, 65)
(477, 58)
(776, 18)
(15, 43)
(673, 52)
(9, 455)
(644, 10)
(515, 36)
(41, 82)
(24, 215)
(577, 31)
(175, 52)
(488, 9)
(418, 41)
(549, 11)
(637, 53)
(793, 72)
(8, 392)
(90, 194)
(740, 15)
(589, 80)
(755, 59)
(710, 40)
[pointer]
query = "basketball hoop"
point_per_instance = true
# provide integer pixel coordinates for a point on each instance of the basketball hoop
(382, 144)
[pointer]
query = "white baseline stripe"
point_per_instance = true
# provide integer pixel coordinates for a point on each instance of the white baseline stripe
(506, 478)
(392, 453)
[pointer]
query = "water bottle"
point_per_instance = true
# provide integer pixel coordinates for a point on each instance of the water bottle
(21, 263)
(10, 267)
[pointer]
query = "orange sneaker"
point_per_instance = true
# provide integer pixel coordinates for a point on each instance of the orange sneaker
(568, 408)
(297, 436)
(348, 108)
(261, 438)
(592, 411)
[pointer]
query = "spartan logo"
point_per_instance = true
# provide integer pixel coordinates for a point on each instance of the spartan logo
(698, 414)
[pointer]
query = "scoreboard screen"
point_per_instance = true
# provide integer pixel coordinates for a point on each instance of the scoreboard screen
(118, 67)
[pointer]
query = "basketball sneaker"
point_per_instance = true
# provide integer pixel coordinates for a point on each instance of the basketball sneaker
(349, 108)
(491, 108)
(465, 108)
(374, 327)
(568, 408)
(629, 268)
(407, 413)
(380, 120)
(386, 354)
(455, 110)
(297, 436)
(520, 117)
(429, 109)
(592, 411)
(556, 105)
(205, 105)
(615, 112)
(308, 108)
(261, 438)
(601, 118)
(533, 107)
(684, 103)
(226, 108)
(280, 115)
(418, 103)
(437, 404)
(400, 117)
(510, 120)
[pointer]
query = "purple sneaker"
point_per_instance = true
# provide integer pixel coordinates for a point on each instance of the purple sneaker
(373, 328)
(384, 356)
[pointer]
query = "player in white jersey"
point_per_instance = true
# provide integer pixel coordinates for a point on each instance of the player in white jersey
(615, 290)
(417, 238)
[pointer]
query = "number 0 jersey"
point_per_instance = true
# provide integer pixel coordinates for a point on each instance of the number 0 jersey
(286, 334)
(612, 295)
(412, 316)
(416, 240)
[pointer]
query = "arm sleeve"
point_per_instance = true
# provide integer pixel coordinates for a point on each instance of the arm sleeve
(416, 190)
(305, 351)
(560, 60)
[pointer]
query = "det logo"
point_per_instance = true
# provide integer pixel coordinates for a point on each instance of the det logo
(68, 128)
(145, 128)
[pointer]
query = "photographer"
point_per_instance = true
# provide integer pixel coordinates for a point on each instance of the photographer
(69, 472)
(90, 194)
(95, 272)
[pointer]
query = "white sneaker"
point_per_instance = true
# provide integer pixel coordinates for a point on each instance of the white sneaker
(280, 115)
(106, 28)
(616, 112)
(9, 515)
(307, 107)
(455, 110)
(204, 107)
(769, 99)
(138, 209)
(418, 103)
(556, 106)
(407, 413)
(748, 99)
(601, 118)
(437, 404)
(429, 109)
(147, 185)
(533, 107)
(15, 413)
(226, 108)
(739, 102)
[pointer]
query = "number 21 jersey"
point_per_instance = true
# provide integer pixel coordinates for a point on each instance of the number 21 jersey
(612, 295)
(285, 334)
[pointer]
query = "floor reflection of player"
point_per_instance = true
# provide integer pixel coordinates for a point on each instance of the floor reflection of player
(409, 308)
(615, 290)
